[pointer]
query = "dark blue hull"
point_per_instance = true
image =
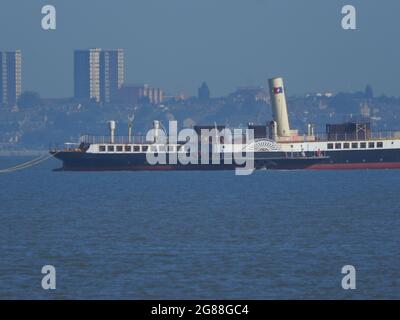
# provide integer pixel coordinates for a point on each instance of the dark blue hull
(351, 159)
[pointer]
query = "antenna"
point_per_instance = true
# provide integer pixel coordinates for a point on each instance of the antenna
(130, 121)
(131, 118)
(217, 137)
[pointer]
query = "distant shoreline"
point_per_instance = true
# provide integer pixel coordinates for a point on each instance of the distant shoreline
(22, 153)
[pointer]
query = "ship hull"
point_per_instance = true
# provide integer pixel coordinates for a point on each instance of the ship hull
(334, 160)
(360, 159)
(76, 161)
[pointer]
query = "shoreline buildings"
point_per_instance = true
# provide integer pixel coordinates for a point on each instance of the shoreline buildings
(134, 94)
(99, 75)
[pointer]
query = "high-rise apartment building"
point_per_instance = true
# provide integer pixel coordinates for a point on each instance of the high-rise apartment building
(11, 79)
(111, 74)
(98, 74)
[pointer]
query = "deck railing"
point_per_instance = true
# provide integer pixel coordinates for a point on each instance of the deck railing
(379, 135)
(360, 136)
(117, 139)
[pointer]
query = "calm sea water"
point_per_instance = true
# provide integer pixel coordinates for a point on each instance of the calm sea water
(199, 235)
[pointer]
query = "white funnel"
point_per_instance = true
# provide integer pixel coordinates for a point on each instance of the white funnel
(156, 128)
(279, 107)
(112, 126)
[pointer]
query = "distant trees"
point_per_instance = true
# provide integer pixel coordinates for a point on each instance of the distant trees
(29, 99)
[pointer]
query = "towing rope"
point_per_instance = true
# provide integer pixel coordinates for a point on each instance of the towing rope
(28, 164)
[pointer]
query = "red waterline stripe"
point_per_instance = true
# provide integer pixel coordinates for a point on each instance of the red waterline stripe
(361, 165)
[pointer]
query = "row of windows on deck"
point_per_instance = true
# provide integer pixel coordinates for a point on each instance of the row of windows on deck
(355, 145)
(137, 148)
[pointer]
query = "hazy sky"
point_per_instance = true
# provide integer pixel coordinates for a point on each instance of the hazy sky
(176, 44)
